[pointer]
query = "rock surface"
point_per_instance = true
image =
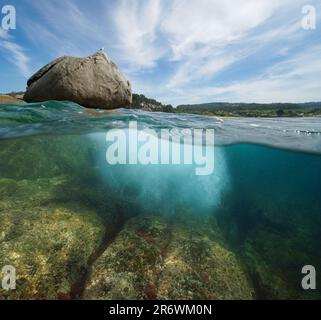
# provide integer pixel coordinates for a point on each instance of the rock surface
(52, 219)
(93, 82)
(273, 240)
(48, 243)
(155, 257)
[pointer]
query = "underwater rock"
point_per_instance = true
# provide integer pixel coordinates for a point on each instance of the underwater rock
(56, 213)
(49, 243)
(274, 240)
(156, 257)
(93, 82)
(130, 266)
(274, 262)
(199, 265)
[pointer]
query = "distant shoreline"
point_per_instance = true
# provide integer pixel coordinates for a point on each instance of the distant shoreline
(222, 110)
(9, 99)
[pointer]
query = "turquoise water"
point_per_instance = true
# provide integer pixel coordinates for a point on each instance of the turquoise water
(263, 198)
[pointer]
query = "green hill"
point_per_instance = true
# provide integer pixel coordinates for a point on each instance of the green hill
(253, 109)
(142, 102)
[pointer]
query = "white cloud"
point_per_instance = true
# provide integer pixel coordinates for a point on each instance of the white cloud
(66, 27)
(294, 80)
(13, 52)
(16, 54)
(181, 30)
(50, 41)
(201, 38)
(209, 35)
(136, 24)
(207, 22)
(199, 69)
(3, 34)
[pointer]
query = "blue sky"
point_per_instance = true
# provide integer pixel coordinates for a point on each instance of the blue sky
(178, 51)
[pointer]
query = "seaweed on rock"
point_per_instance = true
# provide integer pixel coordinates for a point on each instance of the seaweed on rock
(157, 257)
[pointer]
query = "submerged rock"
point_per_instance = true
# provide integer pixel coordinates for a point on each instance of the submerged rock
(166, 258)
(275, 259)
(274, 240)
(93, 82)
(54, 213)
(199, 265)
(49, 243)
(131, 265)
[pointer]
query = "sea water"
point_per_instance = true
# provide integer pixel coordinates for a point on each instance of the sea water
(256, 219)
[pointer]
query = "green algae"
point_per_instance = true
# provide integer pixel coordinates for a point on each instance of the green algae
(200, 265)
(48, 230)
(133, 260)
(48, 245)
(159, 257)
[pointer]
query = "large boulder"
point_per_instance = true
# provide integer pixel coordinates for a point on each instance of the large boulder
(93, 82)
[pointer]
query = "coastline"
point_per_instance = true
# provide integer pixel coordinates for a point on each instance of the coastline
(10, 99)
(226, 112)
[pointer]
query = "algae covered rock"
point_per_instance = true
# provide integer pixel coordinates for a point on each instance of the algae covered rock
(199, 266)
(275, 260)
(274, 240)
(53, 212)
(158, 257)
(49, 245)
(131, 265)
(57, 211)
(93, 82)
